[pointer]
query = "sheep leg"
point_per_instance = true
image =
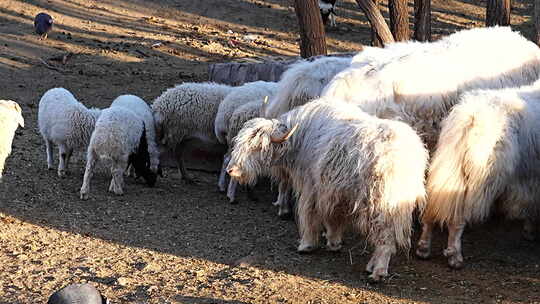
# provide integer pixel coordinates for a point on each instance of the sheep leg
(117, 172)
(223, 173)
(231, 190)
(423, 249)
(386, 247)
(334, 232)
(284, 200)
(69, 153)
(62, 151)
(309, 226)
(453, 251)
(49, 147)
(529, 229)
(180, 149)
(88, 173)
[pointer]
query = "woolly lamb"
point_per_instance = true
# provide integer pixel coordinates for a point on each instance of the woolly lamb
(120, 138)
(141, 108)
(10, 119)
(420, 84)
(66, 123)
(239, 96)
(303, 82)
(488, 151)
(236, 122)
(346, 167)
(187, 112)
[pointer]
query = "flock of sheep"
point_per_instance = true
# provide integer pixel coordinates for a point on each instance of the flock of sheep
(449, 128)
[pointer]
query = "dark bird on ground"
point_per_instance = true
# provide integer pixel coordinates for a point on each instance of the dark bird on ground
(43, 24)
(77, 294)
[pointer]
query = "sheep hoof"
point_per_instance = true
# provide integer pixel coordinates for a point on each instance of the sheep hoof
(334, 246)
(455, 259)
(423, 251)
(377, 275)
(84, 196)
(232, 201)
(61, 173)
(285, 215)
(304, 249)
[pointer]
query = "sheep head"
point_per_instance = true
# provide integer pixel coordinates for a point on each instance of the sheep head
(140, 160)
(259, 145)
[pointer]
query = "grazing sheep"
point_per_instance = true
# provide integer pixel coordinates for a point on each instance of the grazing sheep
(303, 82)
(239, 96)
(66, 123)
(418, 83)
(236, 122)
(487, 157)
(141, 108)
(120, 138)
(10, 119)
(345, 166)
(185, 112)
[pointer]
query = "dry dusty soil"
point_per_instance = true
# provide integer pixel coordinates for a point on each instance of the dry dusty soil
(180, 243)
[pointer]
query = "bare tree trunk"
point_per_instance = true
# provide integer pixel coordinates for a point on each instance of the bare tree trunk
(375, 41)
(312, 37)
(422, 20)
(498, 12)
(376, 20)
(399, 19)
(537, 21)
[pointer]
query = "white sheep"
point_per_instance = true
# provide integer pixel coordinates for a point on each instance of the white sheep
(10, 119)
(119, 137)
(239, 96)
(185, 112)
(487, 157)
(419, 83)
(236, 122)
(303, 82)
(66, 123)
(141, 108)
(346, 167)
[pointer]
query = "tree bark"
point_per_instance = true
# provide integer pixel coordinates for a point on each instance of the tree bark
(375, 41)
(399, 19)
(537, 21)
(312, 36)
(376, 20)
(422, 20)
(498, 12)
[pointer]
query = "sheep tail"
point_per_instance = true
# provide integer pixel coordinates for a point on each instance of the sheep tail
(467, 171)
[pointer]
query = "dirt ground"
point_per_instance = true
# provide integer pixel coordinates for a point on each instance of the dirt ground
(180, 243)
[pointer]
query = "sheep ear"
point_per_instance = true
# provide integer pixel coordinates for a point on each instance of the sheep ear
(286, 136)
(263, 107)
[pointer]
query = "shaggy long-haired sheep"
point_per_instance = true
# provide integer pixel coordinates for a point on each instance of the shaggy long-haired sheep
(345, 167)
(10, 119)
(488, 156)
(418, 83)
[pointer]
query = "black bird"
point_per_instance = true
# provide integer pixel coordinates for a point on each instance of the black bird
(43, 24)
(77, 294)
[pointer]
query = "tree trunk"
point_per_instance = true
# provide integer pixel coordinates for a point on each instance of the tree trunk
(375, 41)
(537, 21)
(399, 19)
(498, 12)
(422, 20)
(378, 25)
(312, 38)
